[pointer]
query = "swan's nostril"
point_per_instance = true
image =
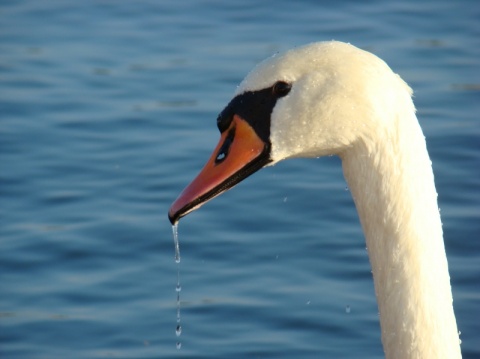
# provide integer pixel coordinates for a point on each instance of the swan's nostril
(221, 156)
(223, 152)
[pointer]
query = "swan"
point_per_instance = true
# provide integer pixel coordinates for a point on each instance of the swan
(331, 98)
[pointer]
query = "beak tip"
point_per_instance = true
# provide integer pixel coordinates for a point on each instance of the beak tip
(173, 217)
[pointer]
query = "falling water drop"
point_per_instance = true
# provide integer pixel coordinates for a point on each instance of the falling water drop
(347, 309)
(176, 242)
(178, 287)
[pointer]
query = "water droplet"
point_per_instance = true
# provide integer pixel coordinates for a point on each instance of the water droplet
(176, 242)
(347, 309)
(178, 287)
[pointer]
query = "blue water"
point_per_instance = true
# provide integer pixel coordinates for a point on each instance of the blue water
(108, 109)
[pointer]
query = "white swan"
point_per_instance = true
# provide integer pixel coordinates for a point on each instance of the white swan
(332, 98)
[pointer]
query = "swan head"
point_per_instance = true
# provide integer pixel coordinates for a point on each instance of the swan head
(315, 100)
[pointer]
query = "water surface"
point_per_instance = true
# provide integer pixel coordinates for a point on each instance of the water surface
(108, 110)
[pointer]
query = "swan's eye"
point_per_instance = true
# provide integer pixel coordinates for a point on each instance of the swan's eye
(223, 151)
(281, 88)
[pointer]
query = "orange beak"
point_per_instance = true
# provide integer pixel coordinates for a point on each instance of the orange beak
(239, 153)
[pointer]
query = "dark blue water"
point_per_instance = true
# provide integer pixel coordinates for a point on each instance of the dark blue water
(108, 110)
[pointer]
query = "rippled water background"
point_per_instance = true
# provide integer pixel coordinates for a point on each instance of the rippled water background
(108, 110)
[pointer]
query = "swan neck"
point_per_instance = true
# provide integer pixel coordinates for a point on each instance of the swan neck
(395, 196)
